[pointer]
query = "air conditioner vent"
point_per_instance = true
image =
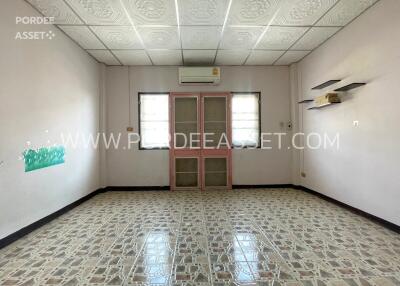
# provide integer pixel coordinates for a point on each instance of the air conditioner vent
(199, 76)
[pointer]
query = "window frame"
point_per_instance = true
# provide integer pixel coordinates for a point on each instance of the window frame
(258, 93)
(139, 119)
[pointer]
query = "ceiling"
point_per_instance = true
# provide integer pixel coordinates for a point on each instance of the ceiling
(200, 32)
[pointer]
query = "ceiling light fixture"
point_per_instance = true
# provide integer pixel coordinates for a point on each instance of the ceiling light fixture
(177, 16)
(179, 28)
(134, 28)
(263, 33)
(226, 17)
(266, 29)
(223, 29)
(156, 26)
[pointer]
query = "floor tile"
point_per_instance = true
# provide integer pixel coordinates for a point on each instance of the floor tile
(243, 237)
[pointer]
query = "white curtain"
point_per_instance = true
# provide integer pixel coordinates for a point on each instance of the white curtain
(245, 120)
(154, 130)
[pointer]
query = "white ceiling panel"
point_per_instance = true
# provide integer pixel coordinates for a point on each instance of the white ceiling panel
(205, 57)
(205, 32)
(83, 36)
(200, 37)
(104, 56)
(58, 9)
(160, 37)
(123, 37)
(104, 12)
(231, 57)
(280, 38)
(152, 12)
(166, 57)
(240, 38)
(315, 37)
(291, 57)
(302, 12)
(132, 57)
(258, 58)
(344, 12)
(253, 12)
(202, 12)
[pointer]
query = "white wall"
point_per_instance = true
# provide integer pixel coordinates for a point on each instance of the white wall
(364, 172)
(44, 85)
(150, 168)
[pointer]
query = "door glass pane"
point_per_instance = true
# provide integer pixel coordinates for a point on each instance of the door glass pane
(215, 180)
(215, 164)
(215, 121)
(186, 131)
(215, 172)
(215, 109)
(186, 165)
(186, 180)
(186, 172)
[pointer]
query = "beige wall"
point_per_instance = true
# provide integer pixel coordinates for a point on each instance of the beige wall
(44, 85)
(364, 172)
(149, 167)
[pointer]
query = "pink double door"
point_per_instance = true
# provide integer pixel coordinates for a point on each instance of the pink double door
(200, 129)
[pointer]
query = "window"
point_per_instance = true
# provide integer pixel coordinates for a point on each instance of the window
(246, 127)
(153, 120)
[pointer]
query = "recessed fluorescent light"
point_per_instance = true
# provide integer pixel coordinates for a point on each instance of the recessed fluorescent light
(177, 14)
(156, 26)
(226, 16)
(266, 28)
(132, 23)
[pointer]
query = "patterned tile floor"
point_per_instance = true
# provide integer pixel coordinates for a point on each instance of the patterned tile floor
(245, 237)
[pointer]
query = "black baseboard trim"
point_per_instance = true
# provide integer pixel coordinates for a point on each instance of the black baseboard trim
(273, 186)
(33, 226)
(26, 230)
(136, 188)
(382, 222)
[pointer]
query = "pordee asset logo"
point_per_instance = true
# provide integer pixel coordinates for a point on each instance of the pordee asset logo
(34, 35)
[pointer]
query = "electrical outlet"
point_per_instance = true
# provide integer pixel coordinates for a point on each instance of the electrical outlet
(303, 174)
(355, 123)
(289, 126)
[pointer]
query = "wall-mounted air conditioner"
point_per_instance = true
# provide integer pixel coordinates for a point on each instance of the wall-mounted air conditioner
(199, 75)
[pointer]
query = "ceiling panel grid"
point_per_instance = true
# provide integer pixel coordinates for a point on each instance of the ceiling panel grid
(201, 32)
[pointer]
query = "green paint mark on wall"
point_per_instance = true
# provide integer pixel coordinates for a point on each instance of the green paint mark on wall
(43, 157)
